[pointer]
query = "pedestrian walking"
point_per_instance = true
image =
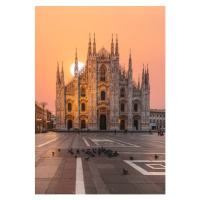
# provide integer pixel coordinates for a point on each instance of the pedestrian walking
(158, 131)
(115, 131)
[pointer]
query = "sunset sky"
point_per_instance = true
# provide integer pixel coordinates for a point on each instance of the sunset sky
(60, 30)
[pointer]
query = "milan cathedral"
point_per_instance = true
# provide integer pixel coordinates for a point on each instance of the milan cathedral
(102, 96)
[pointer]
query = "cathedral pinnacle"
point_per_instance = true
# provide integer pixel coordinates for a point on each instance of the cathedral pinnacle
(130, 63)
(76, 65)
(138, 82)
(58, 74)
(112, 47)
(116, 47)
(57, 67)
(94, 46)
(76, 59)
(89, 46)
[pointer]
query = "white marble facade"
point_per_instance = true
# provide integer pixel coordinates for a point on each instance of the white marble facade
(103, 96)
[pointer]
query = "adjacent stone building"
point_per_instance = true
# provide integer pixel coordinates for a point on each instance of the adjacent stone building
(157, 119)
(103, 96)
(42, 114)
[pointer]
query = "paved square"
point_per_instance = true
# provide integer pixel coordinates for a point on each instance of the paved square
(93, 163)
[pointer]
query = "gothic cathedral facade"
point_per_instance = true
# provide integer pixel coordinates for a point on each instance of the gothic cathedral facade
(102, 96)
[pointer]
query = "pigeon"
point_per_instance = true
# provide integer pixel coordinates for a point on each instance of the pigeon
(87, 158)
(110, 155)
(125, 171)
(116, 153)
(156, 156)
(131, 158)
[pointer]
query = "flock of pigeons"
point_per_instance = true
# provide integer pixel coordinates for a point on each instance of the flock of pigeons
(94, 152)
(100, 151)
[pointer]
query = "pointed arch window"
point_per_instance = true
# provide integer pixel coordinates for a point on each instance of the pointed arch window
(82, 92)
(122, 93)
(69, 106)
(83, 107)
(135, 107)
(122, 107)
(103, 95)
(102, 73)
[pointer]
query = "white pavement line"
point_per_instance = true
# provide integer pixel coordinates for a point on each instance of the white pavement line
(151, 166)
(80, 186)
(120, 143)
(152, 141)
(141, 170)
(146, 161)
(49, 142)
(93, 141)
(86, 142)
(137, 153)
(124, 142)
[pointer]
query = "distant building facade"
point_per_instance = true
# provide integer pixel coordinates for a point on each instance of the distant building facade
(103, 96)
(53, 121)
(157, 118)
(39, 117)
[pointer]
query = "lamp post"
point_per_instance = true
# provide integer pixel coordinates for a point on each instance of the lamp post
(43, 105)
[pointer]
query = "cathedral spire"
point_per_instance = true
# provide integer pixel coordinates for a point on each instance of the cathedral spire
(62, 74)
(143, 78)
(57, 67)
(130, 61)
(89, 46)
(138, 82)
(130, 68)
(116, 47)
(147, 75)
(112, 47)
(76, 65)
(94, 46)
(58, 73)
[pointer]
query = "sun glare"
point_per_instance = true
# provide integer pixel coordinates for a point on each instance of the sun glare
(80, 66)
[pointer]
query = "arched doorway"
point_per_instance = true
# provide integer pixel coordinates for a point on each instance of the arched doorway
(122, 125)
(135, 124)
(69, 124)
(83, 124)
(103, 122)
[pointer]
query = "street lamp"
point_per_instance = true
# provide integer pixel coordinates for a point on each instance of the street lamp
(43, 105)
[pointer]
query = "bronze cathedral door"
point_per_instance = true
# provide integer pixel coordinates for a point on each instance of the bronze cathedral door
(103, 122)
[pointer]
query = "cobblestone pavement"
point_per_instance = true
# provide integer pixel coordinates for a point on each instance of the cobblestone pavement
(60, 170)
